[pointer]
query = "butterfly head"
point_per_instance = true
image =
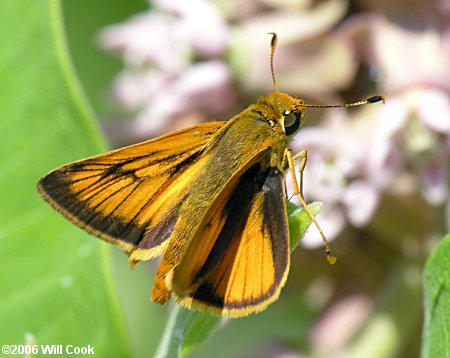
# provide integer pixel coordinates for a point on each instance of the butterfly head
(293, 113)
(288, 112)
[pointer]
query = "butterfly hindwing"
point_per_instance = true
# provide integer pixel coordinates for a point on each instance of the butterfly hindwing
(131, 196)
(247, 264)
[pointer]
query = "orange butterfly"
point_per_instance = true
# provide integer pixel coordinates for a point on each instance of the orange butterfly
(210, 198)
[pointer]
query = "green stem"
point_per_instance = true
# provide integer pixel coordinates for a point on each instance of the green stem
(165, 345)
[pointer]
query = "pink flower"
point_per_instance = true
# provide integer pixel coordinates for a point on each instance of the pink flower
(337, 172)
(408, 138)
(174, 67)
(203, 88)
(404, 139)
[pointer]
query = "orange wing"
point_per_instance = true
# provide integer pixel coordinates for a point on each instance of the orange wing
(131, 196)
(238, 260)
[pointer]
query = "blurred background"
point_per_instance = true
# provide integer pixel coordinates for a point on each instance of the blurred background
(382, 171)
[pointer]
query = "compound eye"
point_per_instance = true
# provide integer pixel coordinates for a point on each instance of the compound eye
(292, 121)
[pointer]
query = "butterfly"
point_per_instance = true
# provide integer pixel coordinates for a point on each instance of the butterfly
(210, 199)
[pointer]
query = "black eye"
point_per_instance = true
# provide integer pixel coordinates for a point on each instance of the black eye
(292, 121)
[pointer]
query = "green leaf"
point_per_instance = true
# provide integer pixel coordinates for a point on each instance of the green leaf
(299, 221)
(56, 281)
(187, 329)
(199, 331)
(96, 68)
(436, 337)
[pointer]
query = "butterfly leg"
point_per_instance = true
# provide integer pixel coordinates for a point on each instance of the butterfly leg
(303, 156)
(299, 156)
(290, 160)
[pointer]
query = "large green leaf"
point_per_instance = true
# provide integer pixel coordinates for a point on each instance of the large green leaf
(96, 68)
(55, 281)
(436, 337)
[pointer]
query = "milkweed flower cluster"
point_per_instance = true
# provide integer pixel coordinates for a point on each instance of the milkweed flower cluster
(178, 59)
(400, 148)
(174, 65)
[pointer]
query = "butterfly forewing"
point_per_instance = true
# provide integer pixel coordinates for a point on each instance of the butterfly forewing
(131, 196)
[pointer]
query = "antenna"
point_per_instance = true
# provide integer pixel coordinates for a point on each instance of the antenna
(273, 45)
(373, 99)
